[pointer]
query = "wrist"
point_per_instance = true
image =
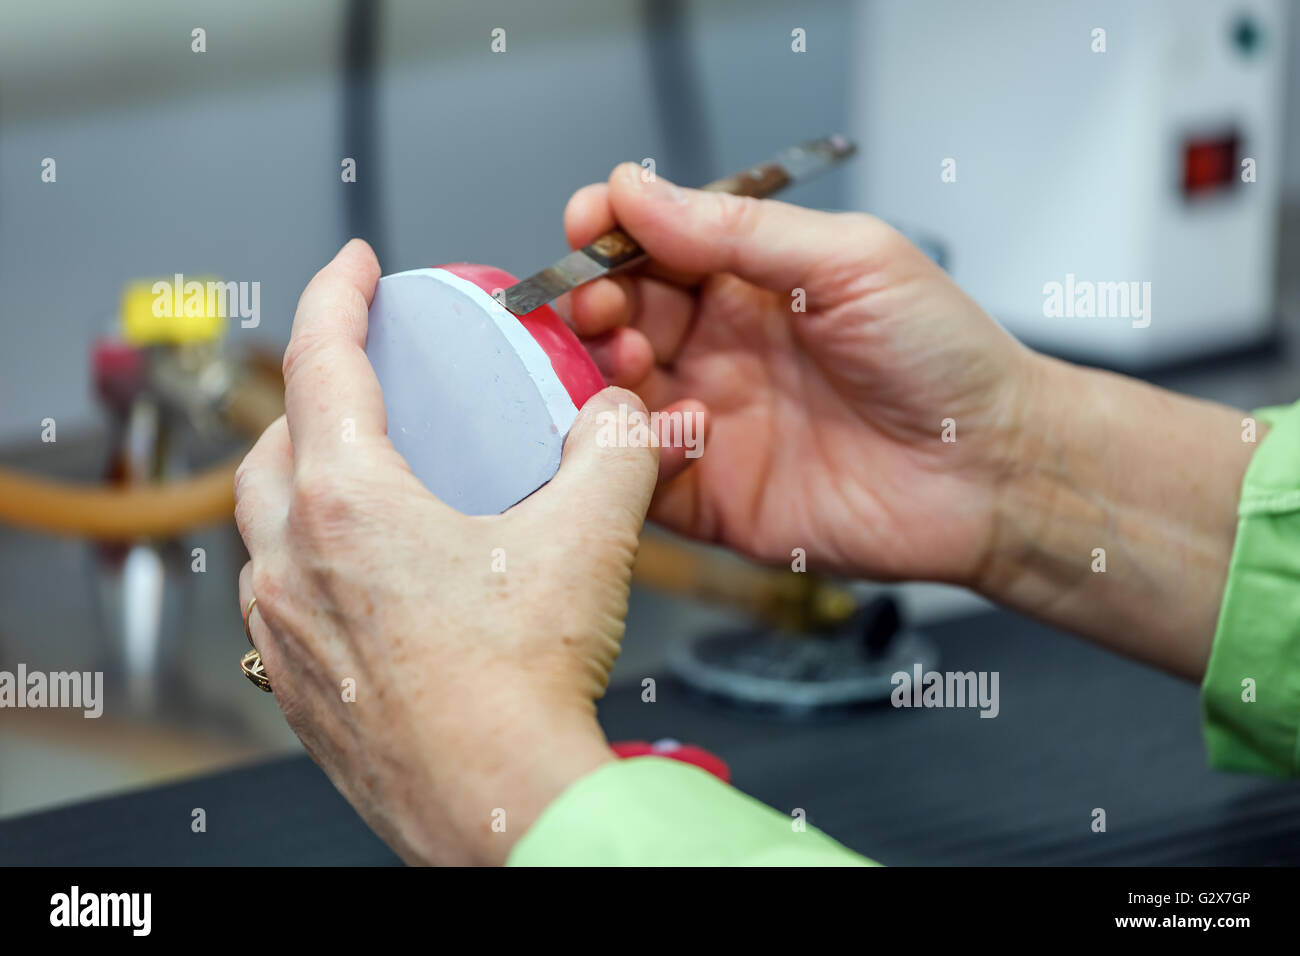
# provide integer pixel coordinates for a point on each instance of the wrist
(1012, 473)
(515, 764)
(1117, 514)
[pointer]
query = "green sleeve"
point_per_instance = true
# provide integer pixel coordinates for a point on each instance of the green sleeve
(652, 811)
(1251, 694)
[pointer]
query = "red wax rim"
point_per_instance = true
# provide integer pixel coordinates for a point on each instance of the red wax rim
(570, 360)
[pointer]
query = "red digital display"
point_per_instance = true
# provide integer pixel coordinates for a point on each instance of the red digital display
(1209, 164)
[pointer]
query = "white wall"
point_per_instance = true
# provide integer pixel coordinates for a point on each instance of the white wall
(227, 163)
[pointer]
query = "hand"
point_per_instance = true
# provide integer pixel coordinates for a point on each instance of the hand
(473, 688)
(824, 425)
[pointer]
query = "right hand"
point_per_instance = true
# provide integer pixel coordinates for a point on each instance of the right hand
(433, 688)
(825, 425)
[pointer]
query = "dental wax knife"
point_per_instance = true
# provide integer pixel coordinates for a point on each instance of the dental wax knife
(617, 250)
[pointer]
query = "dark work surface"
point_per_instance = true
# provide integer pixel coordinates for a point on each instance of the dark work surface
(1078, 729)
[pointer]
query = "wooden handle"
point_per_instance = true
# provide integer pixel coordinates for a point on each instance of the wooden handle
(614, 250)
(758, 181)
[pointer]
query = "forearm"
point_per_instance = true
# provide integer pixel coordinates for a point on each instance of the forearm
(1112, 473)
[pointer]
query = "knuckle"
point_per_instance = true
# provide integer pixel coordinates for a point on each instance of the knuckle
(245, 503)
(622, 396)
(243, 514)
(737, 215)
(269, 589)
(320, 505)
(297, 352)
(241, 476)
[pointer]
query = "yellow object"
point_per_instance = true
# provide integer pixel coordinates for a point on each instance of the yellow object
(175, 311)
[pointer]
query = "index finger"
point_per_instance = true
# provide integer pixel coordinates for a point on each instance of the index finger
(331, 394)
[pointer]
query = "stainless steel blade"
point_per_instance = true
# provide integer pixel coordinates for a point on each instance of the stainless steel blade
(537, 290)
(617, 250)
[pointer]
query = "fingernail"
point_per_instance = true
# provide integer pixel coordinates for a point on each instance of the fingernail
(667, 191)
(654, 186)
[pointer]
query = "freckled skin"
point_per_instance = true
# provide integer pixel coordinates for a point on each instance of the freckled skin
(823, 424)
(825, 421)
(823, 433)
(361, 574)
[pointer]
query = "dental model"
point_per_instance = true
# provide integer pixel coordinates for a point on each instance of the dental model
(479, 401)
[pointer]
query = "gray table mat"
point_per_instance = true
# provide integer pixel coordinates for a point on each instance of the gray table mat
(1078, 729)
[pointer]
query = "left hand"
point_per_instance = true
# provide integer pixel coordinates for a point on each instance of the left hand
(440, 694)
(826, 355)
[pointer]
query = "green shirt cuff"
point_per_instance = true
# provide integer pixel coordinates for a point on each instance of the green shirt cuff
(652, 811)
(1251, 695)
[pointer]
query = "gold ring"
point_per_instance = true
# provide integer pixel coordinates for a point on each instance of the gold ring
(248, 613)
(251, 662)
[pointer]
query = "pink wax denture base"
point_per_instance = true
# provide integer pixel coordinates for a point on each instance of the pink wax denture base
(479, 401)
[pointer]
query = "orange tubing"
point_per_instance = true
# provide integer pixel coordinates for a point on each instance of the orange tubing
(118, 514)
(162, 510)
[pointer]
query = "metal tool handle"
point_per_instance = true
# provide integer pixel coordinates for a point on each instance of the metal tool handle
(617, 250)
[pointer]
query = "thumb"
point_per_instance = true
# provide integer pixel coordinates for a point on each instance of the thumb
(608, 470)
(771, 244)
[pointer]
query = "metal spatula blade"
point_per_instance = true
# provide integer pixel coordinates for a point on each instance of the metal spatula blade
(617, 250)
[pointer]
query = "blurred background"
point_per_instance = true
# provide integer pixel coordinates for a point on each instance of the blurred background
(1114, 164)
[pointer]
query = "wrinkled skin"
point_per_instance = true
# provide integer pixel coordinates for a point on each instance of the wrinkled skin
(474, 689)
(824, 424)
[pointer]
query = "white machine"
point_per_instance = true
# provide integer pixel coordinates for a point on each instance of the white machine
(1104, 178)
